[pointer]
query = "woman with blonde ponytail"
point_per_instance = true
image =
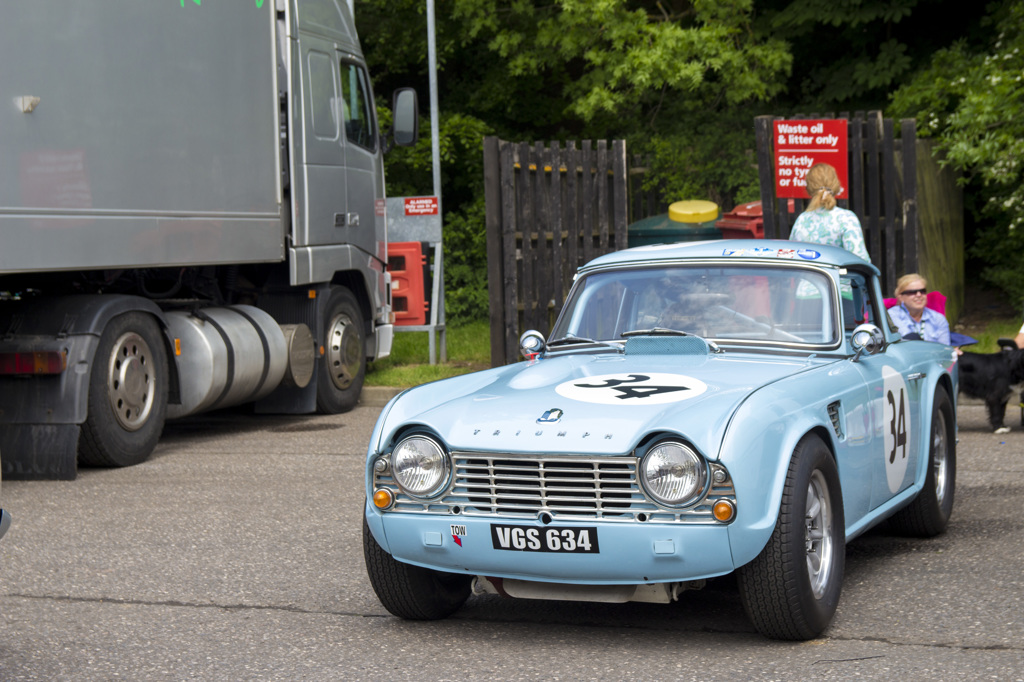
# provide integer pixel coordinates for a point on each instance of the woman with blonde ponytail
(825, 223)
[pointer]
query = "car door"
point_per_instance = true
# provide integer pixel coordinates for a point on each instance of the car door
(894, 397)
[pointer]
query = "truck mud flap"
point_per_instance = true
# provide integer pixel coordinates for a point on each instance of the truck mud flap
(39, 452)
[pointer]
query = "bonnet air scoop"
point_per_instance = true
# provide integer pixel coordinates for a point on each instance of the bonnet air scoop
(693, 346)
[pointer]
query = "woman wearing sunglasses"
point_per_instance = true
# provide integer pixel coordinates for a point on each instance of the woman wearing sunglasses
(911, 315)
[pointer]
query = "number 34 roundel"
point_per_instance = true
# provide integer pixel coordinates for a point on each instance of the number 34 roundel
(896, 427)
(649, 388)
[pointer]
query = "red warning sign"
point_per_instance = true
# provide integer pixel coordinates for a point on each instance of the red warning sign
(420, 206)
(799, 144)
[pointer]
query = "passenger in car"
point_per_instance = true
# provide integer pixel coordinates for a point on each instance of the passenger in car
(911, 314)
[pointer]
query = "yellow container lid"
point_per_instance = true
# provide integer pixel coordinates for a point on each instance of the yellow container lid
(693, 211)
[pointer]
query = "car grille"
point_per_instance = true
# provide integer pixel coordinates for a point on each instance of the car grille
(564, 487)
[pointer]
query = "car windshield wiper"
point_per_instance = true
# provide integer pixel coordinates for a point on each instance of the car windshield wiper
(574, 340)
(656, 331)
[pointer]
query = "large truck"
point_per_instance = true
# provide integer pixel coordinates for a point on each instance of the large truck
(192, 216)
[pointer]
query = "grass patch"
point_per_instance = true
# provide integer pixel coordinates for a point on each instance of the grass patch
(469, 350)
(995, 330)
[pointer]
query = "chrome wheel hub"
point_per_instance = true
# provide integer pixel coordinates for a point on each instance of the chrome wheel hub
(818, 534)
(343, 351)
(940, 462)
(131, 382)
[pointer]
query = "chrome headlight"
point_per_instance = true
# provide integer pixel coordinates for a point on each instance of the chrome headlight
(420, 466)
(673, 474)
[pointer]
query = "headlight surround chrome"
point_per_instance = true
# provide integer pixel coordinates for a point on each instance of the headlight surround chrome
(673, 474)
(420, 466)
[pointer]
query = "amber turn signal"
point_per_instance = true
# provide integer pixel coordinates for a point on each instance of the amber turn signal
(724, 510)
(383, 498)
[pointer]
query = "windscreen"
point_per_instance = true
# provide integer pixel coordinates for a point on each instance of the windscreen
(777, 305)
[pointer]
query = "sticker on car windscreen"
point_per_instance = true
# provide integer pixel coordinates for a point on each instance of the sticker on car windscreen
(647, 388)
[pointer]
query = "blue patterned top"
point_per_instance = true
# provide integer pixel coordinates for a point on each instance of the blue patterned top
(838, 227)
(932, 327)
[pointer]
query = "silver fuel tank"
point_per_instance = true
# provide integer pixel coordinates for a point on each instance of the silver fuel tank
(233, 355)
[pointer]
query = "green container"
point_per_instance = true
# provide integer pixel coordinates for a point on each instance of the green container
(659, 229)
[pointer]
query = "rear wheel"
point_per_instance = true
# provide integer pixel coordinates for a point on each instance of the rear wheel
(791, 590)
(929, 513)
(127, 394)
(343, 365)
(412, 592)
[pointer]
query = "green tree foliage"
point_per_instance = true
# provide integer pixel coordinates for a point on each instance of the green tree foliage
(970, 100)
(409, 172)
(711, 158)
(622, 57)
(680, 80)
(653, 72)
(850, 54)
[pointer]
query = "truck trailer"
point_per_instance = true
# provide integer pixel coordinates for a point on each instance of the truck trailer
(192, 217)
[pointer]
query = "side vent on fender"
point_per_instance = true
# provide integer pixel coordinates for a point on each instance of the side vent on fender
(833, 414)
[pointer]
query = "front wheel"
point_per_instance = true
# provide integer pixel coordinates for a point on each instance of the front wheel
(928, 515)
(412, 592)
(343, 364)
(127, 394)
(791, 589)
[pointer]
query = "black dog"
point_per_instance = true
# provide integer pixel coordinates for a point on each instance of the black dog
(992, 377)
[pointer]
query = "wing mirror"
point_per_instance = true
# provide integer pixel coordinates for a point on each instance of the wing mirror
(866, 338)
(531, 344)
(406, 128)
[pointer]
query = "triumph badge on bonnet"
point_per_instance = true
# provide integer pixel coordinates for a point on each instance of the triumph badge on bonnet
(550, 417)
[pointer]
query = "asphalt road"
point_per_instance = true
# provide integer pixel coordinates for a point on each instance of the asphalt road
(235, 554)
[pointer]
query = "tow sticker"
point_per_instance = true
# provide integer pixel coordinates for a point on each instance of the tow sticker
(458, 532)
(896, 427)
(649, 388)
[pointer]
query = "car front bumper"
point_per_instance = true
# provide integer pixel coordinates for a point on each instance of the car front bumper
(627, 553)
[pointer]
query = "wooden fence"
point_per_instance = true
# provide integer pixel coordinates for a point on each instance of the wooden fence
(882, 191)
(549, 210)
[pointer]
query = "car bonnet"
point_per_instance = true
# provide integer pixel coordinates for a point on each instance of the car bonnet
(591, 403)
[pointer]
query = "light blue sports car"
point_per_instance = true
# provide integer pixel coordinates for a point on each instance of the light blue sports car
(698, 409)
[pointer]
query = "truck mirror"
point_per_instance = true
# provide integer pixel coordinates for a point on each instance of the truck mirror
(406, 128)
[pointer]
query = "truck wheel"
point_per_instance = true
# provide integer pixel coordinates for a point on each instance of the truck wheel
(127, 394)
(412, 592)
(929, 513)
(343, 365)
(791, 590)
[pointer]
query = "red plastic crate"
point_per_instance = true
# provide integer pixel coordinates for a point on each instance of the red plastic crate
(746, 221)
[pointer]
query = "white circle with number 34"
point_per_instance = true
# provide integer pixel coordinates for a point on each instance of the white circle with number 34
(897, 430)
(637, 388)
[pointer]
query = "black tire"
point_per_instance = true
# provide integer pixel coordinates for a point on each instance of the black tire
(412, 592)
(342, 367)
(928, 515)
(127, 402)
(791, 590)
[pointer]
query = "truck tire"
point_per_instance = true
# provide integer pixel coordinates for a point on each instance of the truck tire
(412, 592)
(343, 364)
(127, 402)
(929, 513)
(791, 589)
